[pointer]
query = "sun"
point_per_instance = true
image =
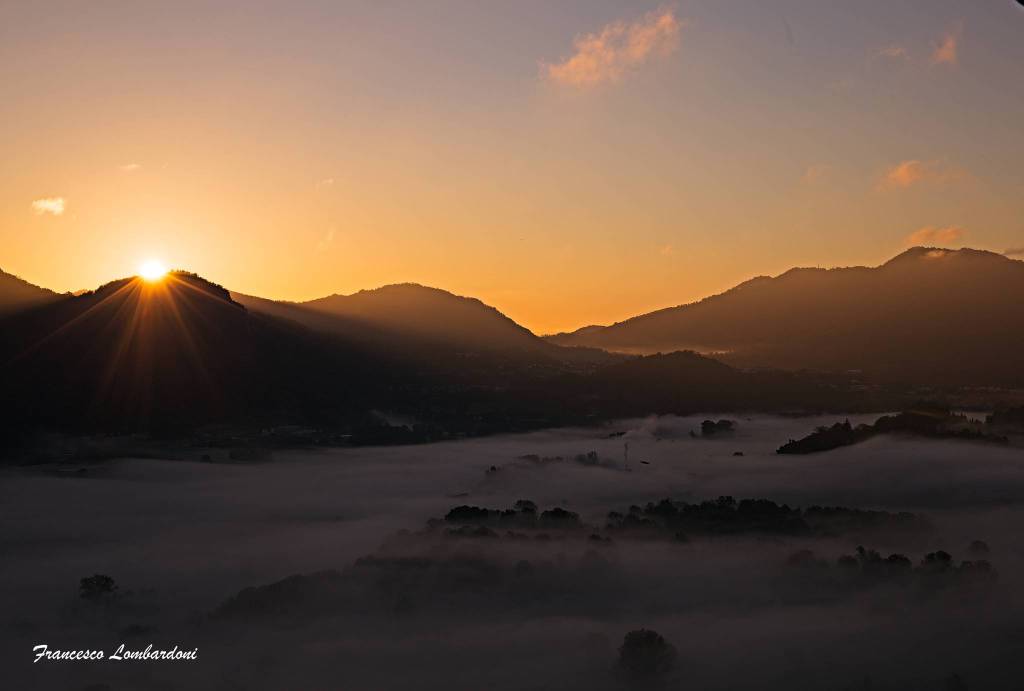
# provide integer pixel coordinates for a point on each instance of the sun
(152, 270)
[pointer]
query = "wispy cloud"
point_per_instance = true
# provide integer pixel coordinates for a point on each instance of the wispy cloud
(130, 168)
(606, 56)
(326, 241)
(946, 49)
(48, 205)
(1014, 252)
(913, 172)
(815, 173)
(896, 52)
(905, 174)
(326, 182)
(934, 235)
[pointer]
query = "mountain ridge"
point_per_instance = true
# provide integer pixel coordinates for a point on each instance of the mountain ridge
(178, 352)
(175, 356)
(430, 317)
(887, 320)
(17, 294)
(911, 252)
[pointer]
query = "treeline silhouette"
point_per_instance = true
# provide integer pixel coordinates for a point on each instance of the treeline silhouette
(727, 516)
(868, 568)
(934, 424)
(677, 520)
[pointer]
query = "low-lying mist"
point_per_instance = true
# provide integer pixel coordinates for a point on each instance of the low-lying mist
(336, 568)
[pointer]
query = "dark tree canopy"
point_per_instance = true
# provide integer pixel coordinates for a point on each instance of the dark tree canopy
(646, 654)
(97, 587)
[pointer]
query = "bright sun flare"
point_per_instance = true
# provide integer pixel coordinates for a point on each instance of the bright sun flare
(152, 270)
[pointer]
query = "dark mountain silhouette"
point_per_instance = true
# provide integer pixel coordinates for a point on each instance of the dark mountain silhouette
(427, 322)
(179, 354)
(174, 354)
(17, 295)
(431, 314)
(170, 357)
(928, 316)
(408, 310)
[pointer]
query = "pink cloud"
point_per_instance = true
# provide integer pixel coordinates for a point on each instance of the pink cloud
(946, 50)
(606, 56)
(909, 173)
(933, 235)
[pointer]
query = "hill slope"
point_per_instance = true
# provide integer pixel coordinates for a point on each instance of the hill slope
(409, 311)
(180, 352)
(928, 316)
(431, 314)
(17, 294)
(460, 335)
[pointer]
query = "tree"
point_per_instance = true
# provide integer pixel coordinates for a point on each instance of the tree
(645, 654)
(97, 587)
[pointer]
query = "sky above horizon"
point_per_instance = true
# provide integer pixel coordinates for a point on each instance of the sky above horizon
(569, 163)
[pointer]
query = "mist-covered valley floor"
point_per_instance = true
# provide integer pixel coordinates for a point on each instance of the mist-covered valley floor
(355, 569)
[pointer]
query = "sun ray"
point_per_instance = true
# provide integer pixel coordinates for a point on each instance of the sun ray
(189, 339)
(71, 322)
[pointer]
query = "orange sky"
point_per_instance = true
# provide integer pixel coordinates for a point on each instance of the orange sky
(570, 165)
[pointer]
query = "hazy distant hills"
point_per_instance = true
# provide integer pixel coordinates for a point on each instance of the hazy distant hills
(928, 316)
(422, 320)
(429, 313)
(17, 295)
(407, 310)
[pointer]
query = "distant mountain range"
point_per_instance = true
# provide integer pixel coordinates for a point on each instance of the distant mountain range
(184, 353)
(929, 316)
